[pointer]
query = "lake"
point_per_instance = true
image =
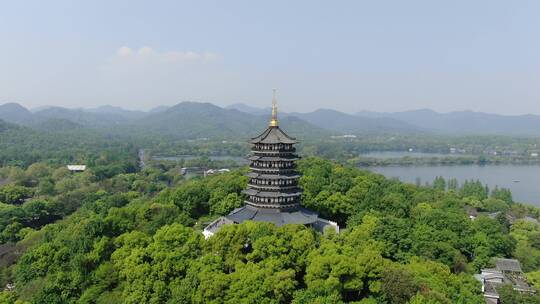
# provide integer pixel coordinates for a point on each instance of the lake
(400, 154)
(527, 190)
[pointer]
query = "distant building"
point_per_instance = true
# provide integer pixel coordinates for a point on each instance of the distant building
(273, 194)
(472, 212)
(76, 168)
(344, 136)
(534, 154)
(215, 171)
(506, 271)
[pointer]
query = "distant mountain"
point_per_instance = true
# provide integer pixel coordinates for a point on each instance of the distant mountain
(159, 109)
(194, 120)
(249, 109)
(83, 117)
(465, 122)
(112, 110)
(191, 120)
(347, 123)
(105, 116)
(57, 124)
(40, 108)
(15, 113)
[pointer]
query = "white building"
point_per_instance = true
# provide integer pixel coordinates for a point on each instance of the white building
(76, 168)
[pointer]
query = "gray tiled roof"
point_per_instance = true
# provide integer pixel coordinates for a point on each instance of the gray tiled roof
(276, 216)
(508, 265)
(273, 135)
(272, 158)
(214, 226)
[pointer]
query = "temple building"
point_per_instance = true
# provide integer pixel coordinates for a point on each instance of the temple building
(272, 194)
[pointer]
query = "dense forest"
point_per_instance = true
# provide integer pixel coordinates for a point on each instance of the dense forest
(132, 236)
(121, 232)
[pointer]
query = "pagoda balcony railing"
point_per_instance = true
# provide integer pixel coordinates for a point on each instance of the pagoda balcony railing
(272, 170)
(272, 187)
(261, 176)
(275, 165)
(273, 151)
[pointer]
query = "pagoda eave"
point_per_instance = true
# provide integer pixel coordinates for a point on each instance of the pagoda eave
(275, 216)
(270, 194)
(271, 158)
(272, 176)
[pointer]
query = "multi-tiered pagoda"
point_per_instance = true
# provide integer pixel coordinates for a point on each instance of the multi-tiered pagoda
(272, 194)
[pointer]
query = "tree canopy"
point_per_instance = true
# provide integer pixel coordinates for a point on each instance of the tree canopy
(135, 237)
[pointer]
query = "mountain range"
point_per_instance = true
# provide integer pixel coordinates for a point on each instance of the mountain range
(198, 120)
(205, 120)
(465, 122)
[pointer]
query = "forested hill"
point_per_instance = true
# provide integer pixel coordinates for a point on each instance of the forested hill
(186, 120)
(133, 239)
(465, 122)
(5, 126)
(62, 142)
(191, 120)
(15, 113)
(205, 120)
(347, 123)
(98, 117)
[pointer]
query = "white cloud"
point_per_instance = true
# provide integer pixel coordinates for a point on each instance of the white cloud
(124, 52)
(147, 54)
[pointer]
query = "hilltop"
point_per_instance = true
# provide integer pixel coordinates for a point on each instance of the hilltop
(206, 120)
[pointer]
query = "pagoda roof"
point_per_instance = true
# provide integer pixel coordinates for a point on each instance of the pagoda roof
(272, 158)
(508, 265)
(276, 216)
(273, 135)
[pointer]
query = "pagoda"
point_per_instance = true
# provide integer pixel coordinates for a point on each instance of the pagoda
(273, 194)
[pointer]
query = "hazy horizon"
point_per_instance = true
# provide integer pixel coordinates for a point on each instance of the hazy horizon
(257, 107)
(386, 56)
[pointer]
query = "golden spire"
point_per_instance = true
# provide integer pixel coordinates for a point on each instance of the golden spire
(274, 120)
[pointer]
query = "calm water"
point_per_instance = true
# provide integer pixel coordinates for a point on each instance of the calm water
(400, 154)
(527, 190)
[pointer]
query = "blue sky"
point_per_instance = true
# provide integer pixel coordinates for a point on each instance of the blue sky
(346, 55)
